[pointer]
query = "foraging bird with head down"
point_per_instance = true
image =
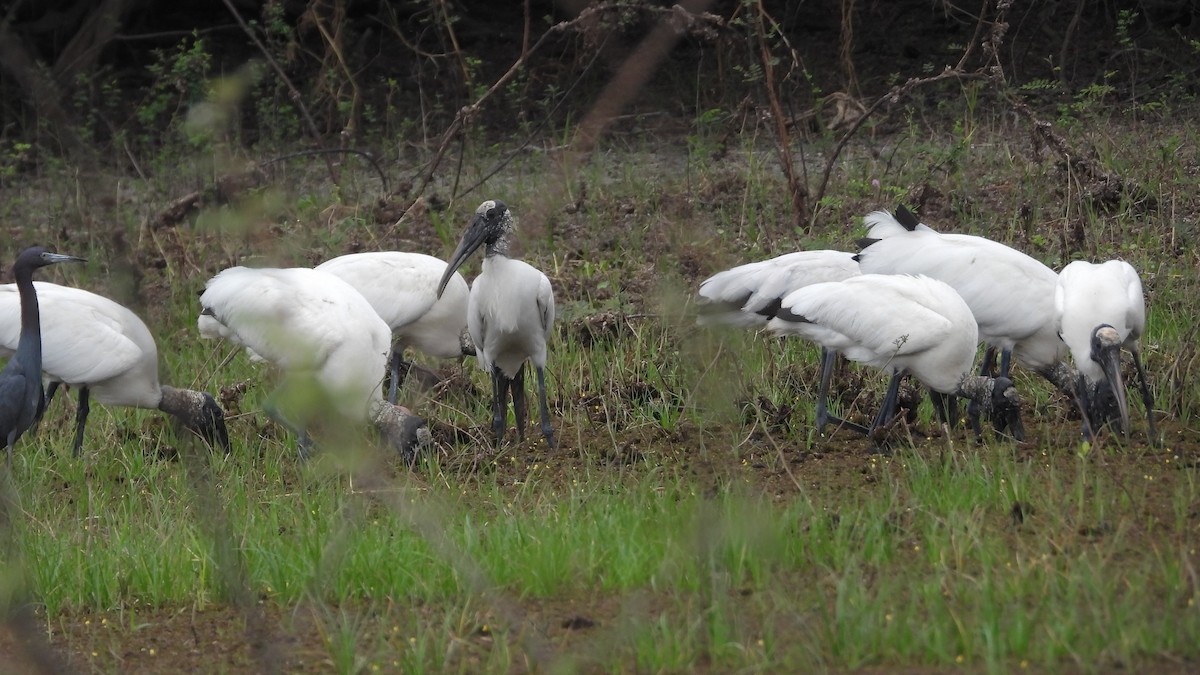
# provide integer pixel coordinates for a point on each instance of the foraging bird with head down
(21, 391)
(750, 295)
(1010, 293)
(510, 315)
(108, 353)
(1100, 309)
(318, 330)
(903, 324)
(403, 289)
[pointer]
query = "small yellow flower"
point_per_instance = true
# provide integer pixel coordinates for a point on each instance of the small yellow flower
(153, 651)
(959, 659)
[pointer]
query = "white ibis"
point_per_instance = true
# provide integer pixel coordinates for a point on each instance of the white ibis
(21, 391)
(1010, 294)
(903, 324)
(510, 315)
(106, 351)
(750, 295)
(402, 287)
(318, 329)
(1100, 309)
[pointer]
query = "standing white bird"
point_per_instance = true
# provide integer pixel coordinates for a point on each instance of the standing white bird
(1100, 309)
(317, 329)
(750, 295)
(510, 315)
(402, 287)
(1010, 294)
(21, 379)
(107, 352)
(903, 324)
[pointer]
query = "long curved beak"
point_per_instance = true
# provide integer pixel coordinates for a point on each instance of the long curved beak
(473, 237)
(60, 258)
(1110, 361)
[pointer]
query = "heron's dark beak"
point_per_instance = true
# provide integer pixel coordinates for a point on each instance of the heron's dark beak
(1109, 359)
(474, 236)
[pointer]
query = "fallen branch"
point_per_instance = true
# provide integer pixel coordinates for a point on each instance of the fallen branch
(222, 191)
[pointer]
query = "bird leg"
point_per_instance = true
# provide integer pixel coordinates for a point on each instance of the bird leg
(945, 406)
(544, 410)
(988, 362)
(889, 401)
(888, 409)
(1005, 362)
(824, 417)
(520, 412)
(500, 385)
(81, 415)
(46, 401)
(1147, 397)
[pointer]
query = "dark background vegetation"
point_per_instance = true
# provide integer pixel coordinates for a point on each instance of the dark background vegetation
(80, 78)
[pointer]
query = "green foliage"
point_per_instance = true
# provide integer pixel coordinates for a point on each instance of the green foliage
(180, 79)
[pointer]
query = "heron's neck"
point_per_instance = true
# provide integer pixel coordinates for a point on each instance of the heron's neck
(29, 345)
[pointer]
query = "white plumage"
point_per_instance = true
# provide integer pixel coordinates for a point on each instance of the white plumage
(510, 316)
(311, 324)
(1099, 309)
(402, 287)
(104, 349)
(901, 324)
(1011, 295)
(748, 295)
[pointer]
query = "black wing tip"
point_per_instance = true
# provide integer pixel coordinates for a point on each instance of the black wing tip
(785, 314)
(906, 218)
(863, 243)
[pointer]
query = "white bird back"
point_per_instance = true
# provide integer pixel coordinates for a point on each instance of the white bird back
(88, 339)
(304, 320)
(893, 322)
(1088, 295)
(511, 314)
(402, 287)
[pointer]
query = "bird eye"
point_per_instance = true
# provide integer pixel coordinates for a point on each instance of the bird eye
(491, 214)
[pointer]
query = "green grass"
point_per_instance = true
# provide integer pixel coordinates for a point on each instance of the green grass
(927, 569)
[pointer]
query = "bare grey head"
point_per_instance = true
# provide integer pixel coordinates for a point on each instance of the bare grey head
(405, 432)
(490, 227)
(198, 412)
(998, 400)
